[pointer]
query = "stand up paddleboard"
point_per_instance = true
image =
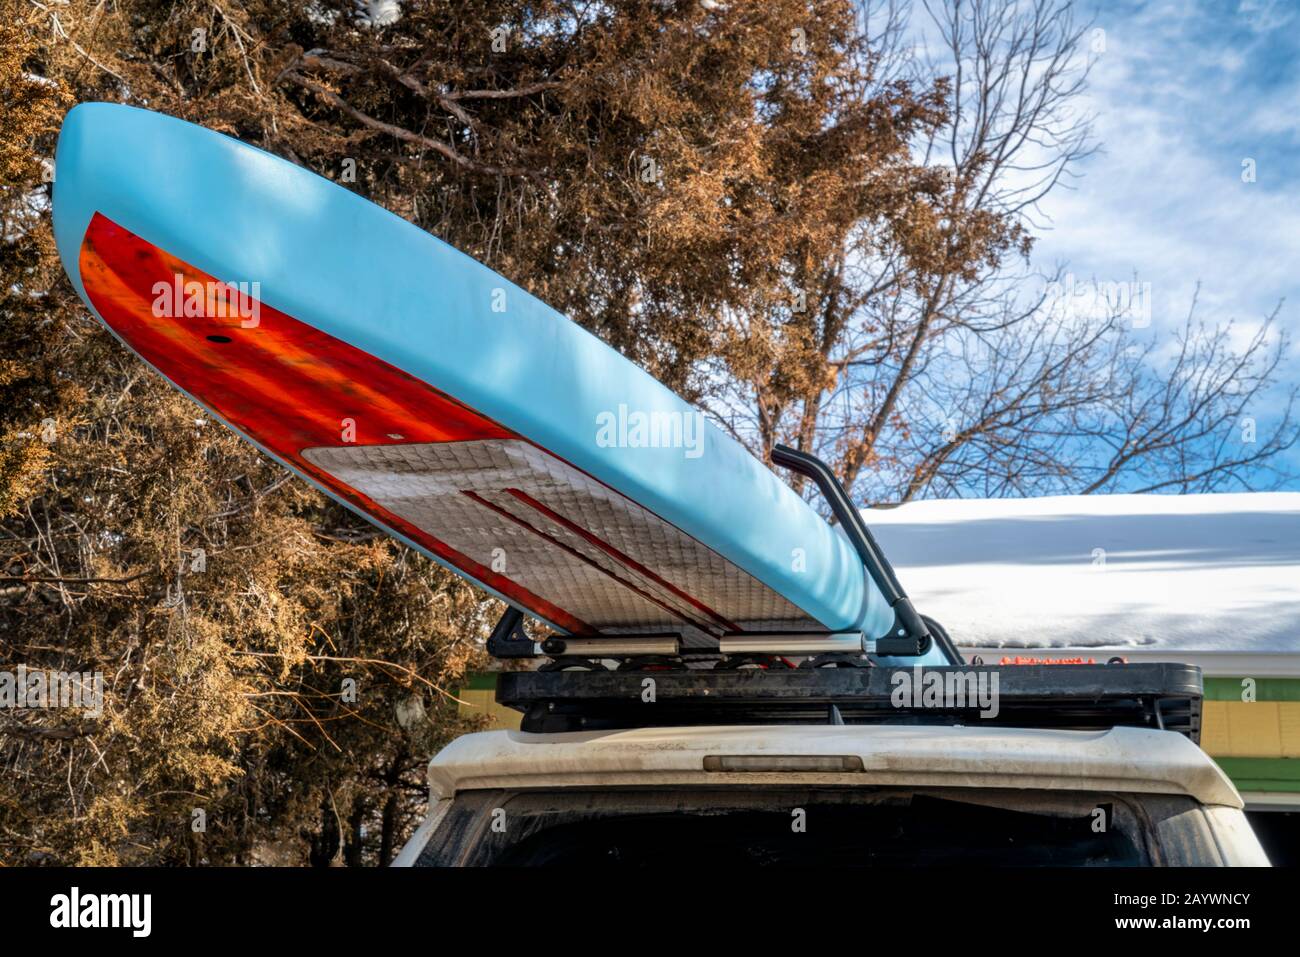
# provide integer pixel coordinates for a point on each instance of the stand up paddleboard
(439, 400)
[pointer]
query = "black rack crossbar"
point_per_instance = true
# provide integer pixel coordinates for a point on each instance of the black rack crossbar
(1147, 695)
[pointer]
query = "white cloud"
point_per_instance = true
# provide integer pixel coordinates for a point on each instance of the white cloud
(1165, 199)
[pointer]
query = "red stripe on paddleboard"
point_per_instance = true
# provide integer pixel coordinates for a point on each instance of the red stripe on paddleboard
(286, 385)
(626, 559)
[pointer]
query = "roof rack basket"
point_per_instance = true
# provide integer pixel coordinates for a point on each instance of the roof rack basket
(1147, 695)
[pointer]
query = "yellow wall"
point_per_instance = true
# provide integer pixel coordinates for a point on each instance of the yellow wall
(1260, 729)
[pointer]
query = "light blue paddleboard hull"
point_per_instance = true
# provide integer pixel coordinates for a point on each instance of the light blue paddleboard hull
(551, 410)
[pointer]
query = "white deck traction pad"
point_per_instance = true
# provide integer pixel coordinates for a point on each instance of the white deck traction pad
(563, 535)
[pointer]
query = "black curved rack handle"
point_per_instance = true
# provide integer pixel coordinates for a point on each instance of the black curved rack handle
(909, 635)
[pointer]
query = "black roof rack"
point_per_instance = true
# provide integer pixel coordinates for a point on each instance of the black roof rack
(1147, 695)
(576, 691)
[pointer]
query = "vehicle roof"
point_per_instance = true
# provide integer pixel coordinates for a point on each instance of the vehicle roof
(1119, 759)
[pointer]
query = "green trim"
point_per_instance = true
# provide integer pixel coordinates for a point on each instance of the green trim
(483, 681)
(1262, 774)
(1266, 689)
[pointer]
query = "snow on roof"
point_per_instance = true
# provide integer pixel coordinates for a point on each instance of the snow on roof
(1125, 572)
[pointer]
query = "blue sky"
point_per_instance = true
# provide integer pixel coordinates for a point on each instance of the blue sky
(1183, 93)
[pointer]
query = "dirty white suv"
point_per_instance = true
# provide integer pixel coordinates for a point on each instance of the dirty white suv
(842, 794)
